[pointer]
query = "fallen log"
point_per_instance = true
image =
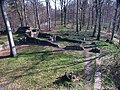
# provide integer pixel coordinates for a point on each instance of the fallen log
(44, 35)
(95, 50)
(22, 30)
(40, 42)
(75, 47)
(34, 41)
(59, 38)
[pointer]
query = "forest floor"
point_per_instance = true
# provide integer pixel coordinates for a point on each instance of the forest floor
(43, 67)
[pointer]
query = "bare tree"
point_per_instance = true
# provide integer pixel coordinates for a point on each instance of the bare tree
(72, 8)
(65, 10)
(24, 13)
(84, 6)
(100, 3)
(77, 16)
(114, 19)
(37, 14)
(92, 17)
(118, 23)
(48, 14)
(8, 28)
(61, 5)
(55, 2)
(55, 12)
(88, 24)
(19, 9)
(80, 16)
(96, 16)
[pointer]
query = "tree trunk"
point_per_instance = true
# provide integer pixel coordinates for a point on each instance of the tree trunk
(61, 17)
(119, 36)
(37, 14)
(118, 25)
(19, 14)
(48, 14)
(9, 30)
(99, 18)
(65, 8)
(114, 20)
(77, 18)
(61, 3)
(118, 22)
(34, 16)
(109, 26)
(99, 25)
(55, 12)
(73, 16)
(92, 21)
(84, 6)
(88, 25)
(96, 15)
(80, 19)
(24, 13)
(67, 12)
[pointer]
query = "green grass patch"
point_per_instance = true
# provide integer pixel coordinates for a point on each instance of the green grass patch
(111, 60)
(3, 38)
(37, 67)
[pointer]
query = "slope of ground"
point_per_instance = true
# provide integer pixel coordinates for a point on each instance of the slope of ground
(43, 67)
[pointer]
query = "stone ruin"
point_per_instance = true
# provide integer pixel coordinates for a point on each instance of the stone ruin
(22, 30)
(34, 41)
(33, 32)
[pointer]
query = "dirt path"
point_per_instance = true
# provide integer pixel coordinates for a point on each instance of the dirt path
(87, 71)
(7, 51)
(97, 76)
